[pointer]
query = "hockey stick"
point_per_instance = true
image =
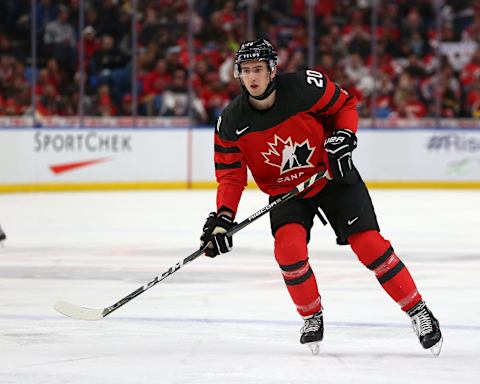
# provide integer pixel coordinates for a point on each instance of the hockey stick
(83, 313)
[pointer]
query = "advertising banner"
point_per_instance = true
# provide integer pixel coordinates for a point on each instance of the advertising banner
(57, 159)
(419, 155)
(106, 155)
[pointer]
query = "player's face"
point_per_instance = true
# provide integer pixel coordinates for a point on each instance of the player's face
(255, 76)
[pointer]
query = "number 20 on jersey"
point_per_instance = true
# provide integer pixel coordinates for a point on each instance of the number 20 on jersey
(314, 78)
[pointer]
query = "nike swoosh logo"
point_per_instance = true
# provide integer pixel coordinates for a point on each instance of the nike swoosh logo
(240, 131)
(66, 167)
(350, 222)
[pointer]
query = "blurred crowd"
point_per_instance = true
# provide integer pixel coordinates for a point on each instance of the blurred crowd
(411, 65)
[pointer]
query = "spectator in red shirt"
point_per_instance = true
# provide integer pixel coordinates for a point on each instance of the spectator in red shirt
(227, 15)
(10, 107)
(158, 79)
(55, 75)
(90, 44)
(411, 106)
(473, 99)
(43, 81)
(154, 83)
(214, 97)
(201, 72)
(104, 103)
(126, 107)
(327, 65)
(471, 71)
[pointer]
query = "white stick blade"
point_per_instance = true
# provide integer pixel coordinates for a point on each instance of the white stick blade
(76, 312)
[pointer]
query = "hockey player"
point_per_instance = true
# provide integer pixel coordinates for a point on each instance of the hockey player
(285, 128)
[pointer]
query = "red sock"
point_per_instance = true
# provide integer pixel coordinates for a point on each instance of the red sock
(292, 257)
(377, 254)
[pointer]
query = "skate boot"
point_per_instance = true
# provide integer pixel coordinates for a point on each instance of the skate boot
(426, 327)
(312, 332)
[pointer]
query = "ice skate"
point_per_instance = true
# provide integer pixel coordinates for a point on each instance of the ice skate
(426, 327)
(312, 332)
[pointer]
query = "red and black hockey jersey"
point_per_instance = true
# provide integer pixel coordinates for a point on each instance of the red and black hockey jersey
(283, 145)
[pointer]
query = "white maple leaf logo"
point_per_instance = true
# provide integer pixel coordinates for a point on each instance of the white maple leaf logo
(288, 155)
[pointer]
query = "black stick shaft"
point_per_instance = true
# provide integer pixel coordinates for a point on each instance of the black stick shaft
(293, 193)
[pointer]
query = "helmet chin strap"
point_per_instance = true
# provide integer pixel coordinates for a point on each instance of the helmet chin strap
(270, 88)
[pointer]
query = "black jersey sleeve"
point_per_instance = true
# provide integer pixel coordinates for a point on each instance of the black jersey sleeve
(230, 167)
(316, 92)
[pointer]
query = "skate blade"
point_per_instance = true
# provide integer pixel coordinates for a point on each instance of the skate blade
(314, 348)
(437, 348)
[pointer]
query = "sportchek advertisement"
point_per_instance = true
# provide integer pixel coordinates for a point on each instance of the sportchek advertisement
(62, 156)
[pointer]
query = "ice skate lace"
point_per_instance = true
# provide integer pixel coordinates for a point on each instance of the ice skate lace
(311, 325)
(422, 323)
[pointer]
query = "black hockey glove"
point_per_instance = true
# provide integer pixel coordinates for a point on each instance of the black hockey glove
(339, 147)
(214, 234)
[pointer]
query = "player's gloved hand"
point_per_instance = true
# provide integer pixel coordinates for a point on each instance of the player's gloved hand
(214, 234)
(339, 147)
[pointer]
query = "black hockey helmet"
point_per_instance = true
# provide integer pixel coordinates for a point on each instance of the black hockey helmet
(260, 49)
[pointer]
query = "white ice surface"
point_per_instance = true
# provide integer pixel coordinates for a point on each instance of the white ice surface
(230, 319)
